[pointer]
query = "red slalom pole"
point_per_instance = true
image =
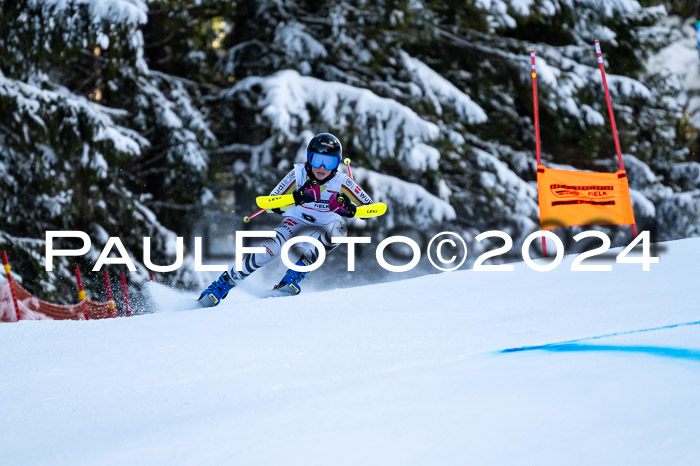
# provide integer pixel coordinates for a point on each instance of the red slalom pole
(82, 296)
(610, 109)
(347, 164)
(537, 111)
(601, 65)
(110, 296)
(125, 291)
(12, 285)
(537, 126)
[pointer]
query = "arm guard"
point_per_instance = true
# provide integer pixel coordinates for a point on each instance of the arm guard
(285, 186)
(355, 193)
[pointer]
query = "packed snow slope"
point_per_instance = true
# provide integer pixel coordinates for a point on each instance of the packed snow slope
(462, 368)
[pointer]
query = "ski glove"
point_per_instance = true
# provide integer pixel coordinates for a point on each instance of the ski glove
(309, 192)
(341, 205)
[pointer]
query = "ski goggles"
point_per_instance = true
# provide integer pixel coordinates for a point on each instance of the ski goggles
(331, 162)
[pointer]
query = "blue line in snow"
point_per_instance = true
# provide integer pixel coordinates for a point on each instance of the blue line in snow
(681, 353)
(550, 346)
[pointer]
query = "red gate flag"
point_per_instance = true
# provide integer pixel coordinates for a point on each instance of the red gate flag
(573, 198)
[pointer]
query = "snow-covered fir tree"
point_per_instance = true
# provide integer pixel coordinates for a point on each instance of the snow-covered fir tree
(125, 116)
(91, 138)
(433, 100)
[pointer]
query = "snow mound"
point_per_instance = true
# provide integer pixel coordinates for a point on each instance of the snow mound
(503, 368)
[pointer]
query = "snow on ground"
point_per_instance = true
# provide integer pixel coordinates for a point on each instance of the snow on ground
(483, 368)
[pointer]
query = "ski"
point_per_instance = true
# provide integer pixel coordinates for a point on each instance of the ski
(275, 202)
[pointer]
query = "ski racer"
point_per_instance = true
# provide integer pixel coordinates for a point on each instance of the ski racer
(322, 197)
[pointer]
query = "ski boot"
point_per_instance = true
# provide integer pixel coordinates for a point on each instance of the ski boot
(290, 283)
(217, 290)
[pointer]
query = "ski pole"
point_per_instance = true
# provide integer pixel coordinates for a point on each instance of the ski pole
(347, 162)
(247, 219)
